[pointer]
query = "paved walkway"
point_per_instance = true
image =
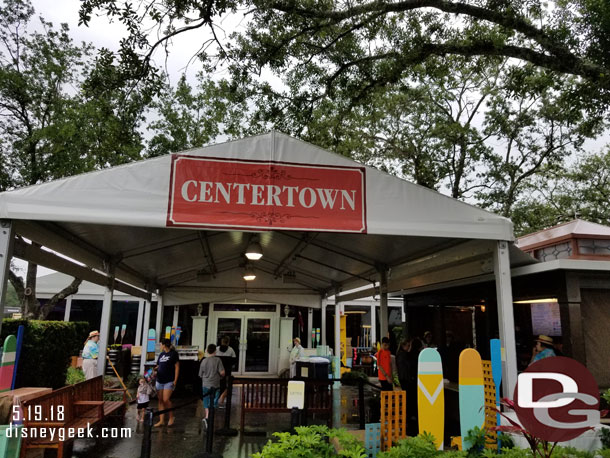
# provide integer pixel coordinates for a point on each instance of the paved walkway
(184, 438)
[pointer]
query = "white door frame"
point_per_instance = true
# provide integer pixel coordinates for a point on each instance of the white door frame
(244, 315)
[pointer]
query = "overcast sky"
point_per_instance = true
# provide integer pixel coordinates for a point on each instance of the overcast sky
(101, 33)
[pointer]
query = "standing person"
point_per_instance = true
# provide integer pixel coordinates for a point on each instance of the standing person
(295, 354)
(429, 340)
(384, 365)
(210, 371)
(412, 410)
(143, 397)
(90, 353)
(168, 368)
(402, 363)
(543, 348)
(450, 357)
(229, 356)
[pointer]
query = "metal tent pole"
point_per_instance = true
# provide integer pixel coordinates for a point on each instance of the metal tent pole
(6, 253)
(144, 341)
(105, 327)
(506, 319)
(139, 322)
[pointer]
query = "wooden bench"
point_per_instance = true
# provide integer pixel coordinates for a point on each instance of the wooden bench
(82, 405)
(91, 393)
(269, 395)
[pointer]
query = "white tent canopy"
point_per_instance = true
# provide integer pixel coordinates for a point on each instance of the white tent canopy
(382, 232)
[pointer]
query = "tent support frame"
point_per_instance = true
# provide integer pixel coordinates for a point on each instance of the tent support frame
(6, 253)
(105, 326)
(145, 326)
(506, 319)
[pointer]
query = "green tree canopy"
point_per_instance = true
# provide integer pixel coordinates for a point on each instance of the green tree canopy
(363, 44)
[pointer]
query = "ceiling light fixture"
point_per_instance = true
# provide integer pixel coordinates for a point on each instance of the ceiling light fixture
(537, 301)
(254, 251)
(249, 274)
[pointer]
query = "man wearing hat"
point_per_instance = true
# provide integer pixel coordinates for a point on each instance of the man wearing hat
(90, 353)
(543, 348)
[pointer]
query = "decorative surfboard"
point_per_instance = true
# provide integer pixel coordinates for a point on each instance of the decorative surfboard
(123, 331)
(496, 372)
(20, 332)
(431, 395)
(472, 394)
(168, 331)
(317, 336)
(172, 335)
(178, 332)
(150, 344)
(7, 366)
(116, 333)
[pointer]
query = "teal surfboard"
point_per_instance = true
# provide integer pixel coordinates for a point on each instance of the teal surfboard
(150, 344)
(472, 394)
(7, 367)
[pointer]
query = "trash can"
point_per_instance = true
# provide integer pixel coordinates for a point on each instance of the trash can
(315, 368)
(10, 441)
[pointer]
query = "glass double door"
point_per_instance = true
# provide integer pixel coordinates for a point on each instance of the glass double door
(250, 334)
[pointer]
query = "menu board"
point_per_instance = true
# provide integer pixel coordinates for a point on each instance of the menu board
(546, 319)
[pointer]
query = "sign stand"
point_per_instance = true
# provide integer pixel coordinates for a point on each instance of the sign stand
(295, 401)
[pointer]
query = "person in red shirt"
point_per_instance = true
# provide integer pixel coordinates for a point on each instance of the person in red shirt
(384, 366)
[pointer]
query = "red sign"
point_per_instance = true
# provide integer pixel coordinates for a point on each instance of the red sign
(557, 399)
(229, 193)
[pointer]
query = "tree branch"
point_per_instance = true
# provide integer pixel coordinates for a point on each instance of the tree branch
(72, 288)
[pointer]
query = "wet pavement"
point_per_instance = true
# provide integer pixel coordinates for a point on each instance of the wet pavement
(185, 439)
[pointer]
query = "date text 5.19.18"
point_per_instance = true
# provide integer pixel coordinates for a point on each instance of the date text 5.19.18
(52, 413)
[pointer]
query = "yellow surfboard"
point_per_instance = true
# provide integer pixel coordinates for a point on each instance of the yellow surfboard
(431, 395)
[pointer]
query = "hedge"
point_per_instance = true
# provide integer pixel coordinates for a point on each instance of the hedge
(46, 351)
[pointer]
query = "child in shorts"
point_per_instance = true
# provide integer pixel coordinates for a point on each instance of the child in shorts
(143, 397)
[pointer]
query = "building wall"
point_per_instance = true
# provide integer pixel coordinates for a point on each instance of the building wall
(595, 308)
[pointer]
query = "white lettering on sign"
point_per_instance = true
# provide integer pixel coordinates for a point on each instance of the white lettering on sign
(256, 194)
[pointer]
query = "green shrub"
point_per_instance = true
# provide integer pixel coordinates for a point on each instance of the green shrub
(421, 446)
(605, 438)
(46, 351)
(74, 375)
(352, 377)
(310, 442)
(506, 441)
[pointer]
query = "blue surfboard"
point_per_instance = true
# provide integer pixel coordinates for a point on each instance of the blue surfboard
(496, 372)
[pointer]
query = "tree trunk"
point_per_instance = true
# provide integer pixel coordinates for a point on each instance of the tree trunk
(19, 286)
(72, 288)
(31, 304)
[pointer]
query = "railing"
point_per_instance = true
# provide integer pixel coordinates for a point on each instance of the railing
(296, 416)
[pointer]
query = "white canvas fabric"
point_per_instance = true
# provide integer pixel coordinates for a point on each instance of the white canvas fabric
(137, 195)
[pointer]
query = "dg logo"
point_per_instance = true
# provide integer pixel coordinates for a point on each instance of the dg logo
(557, 399)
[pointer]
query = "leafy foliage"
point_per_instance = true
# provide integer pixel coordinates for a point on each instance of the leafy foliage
(46, 350)
(360, 46)
(310, 442)
(74, 375)
(421, 446)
